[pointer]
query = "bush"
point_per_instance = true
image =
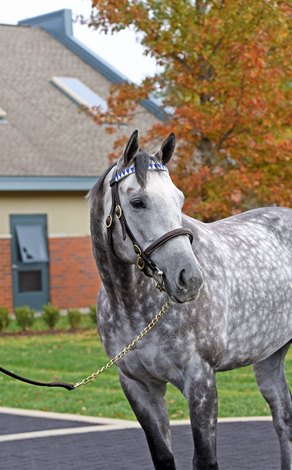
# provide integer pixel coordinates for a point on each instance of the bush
(92, 313)
(4, 318)
(51, 315)
(24, 317)
(74, 317)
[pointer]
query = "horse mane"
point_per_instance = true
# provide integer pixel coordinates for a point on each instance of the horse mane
(97, 189)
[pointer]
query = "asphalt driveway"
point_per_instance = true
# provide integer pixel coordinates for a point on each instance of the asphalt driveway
(31, 440)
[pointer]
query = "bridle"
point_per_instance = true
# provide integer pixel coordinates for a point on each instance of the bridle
(143, 260)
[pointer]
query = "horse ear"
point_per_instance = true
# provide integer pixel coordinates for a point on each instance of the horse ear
(131, 148)
(167, 149)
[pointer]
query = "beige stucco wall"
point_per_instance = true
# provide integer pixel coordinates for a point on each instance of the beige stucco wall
(67, 213)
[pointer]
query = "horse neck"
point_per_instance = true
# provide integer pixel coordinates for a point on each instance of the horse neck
(120, 280)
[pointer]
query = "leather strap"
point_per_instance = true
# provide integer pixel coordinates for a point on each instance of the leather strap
(168, 236)
(34, 382)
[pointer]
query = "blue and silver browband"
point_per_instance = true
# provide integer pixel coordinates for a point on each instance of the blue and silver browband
(131, 170)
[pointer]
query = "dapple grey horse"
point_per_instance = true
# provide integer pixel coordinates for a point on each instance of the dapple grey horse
(231, 290)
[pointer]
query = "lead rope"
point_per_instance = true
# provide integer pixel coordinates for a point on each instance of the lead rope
(113, 361)
(128, 348)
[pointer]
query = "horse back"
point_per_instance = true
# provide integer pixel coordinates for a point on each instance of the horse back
(275, 221)
(257, 226)
(246, 262)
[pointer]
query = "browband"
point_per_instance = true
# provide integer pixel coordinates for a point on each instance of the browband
(128, 171)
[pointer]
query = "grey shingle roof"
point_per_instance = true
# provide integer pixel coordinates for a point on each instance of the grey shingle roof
(44, 133)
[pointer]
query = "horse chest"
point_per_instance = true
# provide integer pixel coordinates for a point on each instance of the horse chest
(154, 361)
(161, 355)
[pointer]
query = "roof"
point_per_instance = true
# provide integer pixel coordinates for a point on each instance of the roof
(59, 25)
(43, 133)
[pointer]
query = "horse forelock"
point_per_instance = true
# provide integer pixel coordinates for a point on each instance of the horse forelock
(141, 163)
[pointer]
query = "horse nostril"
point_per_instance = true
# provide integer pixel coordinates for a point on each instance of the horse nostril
(189, 280)
(182, 281)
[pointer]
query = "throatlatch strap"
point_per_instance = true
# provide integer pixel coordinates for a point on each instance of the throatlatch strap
(34, 382)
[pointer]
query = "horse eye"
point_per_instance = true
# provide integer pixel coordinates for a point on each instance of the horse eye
(137, 204)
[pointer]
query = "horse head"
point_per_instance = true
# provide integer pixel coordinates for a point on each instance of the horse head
(149, 208)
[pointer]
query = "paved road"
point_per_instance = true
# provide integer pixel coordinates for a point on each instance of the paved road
(46, 441)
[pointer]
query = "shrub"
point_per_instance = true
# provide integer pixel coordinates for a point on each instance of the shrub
(74, 317)
(51, 315)
(92, 313)
(4, 318)
(24, 317)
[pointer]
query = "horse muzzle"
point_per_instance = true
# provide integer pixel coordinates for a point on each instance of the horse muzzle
(184, 284)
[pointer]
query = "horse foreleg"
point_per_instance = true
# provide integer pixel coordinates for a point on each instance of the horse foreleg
(148, 404)
(200, 390)
(272, 382)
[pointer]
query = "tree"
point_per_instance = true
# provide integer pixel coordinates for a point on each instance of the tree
(224, 75)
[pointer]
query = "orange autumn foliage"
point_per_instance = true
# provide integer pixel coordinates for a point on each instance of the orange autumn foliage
(225, 75)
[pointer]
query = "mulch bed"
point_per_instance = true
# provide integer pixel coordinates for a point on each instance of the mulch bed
(45, 332)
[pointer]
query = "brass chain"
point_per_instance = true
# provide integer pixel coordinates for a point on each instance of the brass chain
(128, 348)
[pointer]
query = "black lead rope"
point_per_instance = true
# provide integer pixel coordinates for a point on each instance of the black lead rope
(34, 382)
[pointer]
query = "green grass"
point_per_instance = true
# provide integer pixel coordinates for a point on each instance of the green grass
(70, 357)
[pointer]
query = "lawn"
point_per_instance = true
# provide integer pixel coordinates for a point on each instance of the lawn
(70, 357)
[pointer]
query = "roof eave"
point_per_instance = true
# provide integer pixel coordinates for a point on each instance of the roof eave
(46, 183)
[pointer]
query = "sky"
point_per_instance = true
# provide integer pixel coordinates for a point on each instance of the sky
(121, 50)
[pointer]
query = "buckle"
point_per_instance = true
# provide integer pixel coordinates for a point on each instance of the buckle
(108, 221)
(137, 250)
(118, 211)
(140, 263)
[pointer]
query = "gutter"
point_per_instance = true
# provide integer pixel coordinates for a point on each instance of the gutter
(46, 183)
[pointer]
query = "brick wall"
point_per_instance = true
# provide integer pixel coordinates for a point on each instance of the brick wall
(6, 292)
(74, 280)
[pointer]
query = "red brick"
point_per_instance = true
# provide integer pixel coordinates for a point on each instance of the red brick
(74, 279)
(6, 292)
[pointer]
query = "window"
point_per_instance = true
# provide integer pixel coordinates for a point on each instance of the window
(2, 115)
(31, 243)
(79, 92)
(29, 281)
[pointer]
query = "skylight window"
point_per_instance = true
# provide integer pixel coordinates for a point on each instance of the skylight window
(79, 92)
(2, 115)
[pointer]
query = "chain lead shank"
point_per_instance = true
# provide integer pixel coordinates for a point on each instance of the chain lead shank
(128, 348)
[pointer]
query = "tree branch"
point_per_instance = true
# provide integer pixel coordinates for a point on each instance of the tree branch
(227, 134)
(181, 62)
